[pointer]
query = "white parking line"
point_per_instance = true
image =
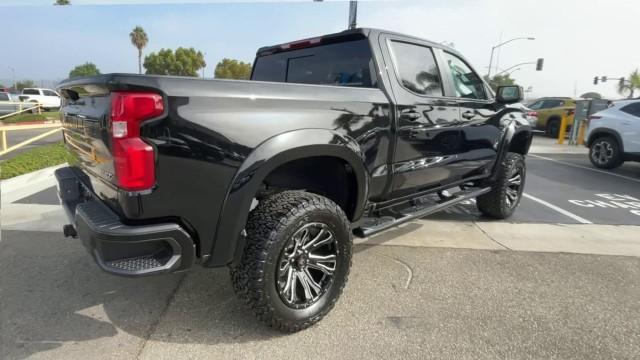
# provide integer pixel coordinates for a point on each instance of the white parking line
(585, 167)
(560, 210)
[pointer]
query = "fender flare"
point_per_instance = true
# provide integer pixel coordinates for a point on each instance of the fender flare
(607, 131)
(514, 125)
(228, 243)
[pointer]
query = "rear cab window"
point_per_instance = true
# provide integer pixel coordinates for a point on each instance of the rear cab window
(30, 92)
(347, 63)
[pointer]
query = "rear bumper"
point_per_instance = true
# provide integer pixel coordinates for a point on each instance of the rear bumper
(118, 248)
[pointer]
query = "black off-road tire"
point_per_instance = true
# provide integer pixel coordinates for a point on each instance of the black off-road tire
(269, 228)
(612, 160)
(495, 203)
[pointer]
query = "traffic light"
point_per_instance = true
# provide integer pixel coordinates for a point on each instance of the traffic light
(621, 82)
(603, 79)
(539, 64)
(595, 80)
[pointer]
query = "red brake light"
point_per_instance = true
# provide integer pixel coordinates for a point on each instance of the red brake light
(301, 44)
(133, 159)
(532, 113)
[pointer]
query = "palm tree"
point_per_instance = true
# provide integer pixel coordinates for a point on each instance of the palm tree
(630, 85)
(139, 39)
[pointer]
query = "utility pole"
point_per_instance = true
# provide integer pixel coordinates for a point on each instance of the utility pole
(353, 14)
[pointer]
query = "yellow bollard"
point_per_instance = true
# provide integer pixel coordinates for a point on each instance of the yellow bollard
(4, 140)
(563, 129)
(581, 130)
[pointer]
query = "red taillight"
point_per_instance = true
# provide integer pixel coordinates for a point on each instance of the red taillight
(533, 113)
(133, 159)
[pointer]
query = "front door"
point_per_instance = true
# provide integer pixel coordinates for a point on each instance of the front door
(480, 128)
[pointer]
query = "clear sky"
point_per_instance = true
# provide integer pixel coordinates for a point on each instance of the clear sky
(578, 39)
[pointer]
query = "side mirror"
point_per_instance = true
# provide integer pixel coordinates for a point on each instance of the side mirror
(509, 94)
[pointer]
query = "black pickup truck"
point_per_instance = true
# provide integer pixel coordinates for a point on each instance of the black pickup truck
(341, 135)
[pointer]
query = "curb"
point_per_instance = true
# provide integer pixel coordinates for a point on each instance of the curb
(28, 180)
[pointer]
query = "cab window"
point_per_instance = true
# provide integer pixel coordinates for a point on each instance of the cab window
(467, 83)
(416, 68)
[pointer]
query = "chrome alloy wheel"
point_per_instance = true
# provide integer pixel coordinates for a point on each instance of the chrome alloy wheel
(602, 152)
(306, 265)
(514, 184)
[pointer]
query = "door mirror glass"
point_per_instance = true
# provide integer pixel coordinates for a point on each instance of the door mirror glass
(509, 94)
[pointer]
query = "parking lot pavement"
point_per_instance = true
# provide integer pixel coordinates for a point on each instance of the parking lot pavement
(566, 188)
(401, 302)
(547, 283)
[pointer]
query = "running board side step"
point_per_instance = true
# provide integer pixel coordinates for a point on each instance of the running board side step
(382, 223)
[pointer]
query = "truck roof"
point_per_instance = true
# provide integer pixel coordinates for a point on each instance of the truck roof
(359, 33)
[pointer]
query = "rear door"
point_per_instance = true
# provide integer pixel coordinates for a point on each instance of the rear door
(428, 137)
(630, 127)
(50, 99)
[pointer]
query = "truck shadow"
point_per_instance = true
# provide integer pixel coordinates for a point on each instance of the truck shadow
(53, 295)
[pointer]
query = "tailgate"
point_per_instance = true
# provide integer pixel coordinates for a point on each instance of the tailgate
(85, 123)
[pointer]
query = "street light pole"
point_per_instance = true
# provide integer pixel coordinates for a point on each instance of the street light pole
(503, 43)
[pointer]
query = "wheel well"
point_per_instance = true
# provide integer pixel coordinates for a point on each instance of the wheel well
(553, 118)
(598, 134)
(328, 176)
(520, 143)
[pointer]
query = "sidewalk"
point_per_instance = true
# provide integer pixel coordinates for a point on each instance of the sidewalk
(544, 145)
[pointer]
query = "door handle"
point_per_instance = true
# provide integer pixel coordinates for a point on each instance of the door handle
(468, 114)
(410, 115)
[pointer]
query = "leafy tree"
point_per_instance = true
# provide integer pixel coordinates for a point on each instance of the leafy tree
(62, 2)
(232, 69)
(139, 39)
(499, 80)
(25, 84)
(630, 85)
(86, 69)
(182, 62)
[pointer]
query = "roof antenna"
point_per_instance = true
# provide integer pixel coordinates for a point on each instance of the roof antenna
(353, 14)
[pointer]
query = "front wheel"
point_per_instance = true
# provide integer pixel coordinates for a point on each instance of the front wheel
(506, 191)
(296, 261)
(604, 153)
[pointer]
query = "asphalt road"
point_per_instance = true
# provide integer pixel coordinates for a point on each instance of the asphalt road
(409, 303)
(569, 183)
(403, 301)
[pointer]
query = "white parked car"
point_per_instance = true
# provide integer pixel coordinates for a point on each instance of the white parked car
(613, 135)
(47, 97)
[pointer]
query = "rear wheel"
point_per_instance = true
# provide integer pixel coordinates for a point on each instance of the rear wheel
(296, 261)
(506, 191)
(605, 153)
(553, 128)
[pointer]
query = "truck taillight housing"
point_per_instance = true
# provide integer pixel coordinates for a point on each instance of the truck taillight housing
(133, 159)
